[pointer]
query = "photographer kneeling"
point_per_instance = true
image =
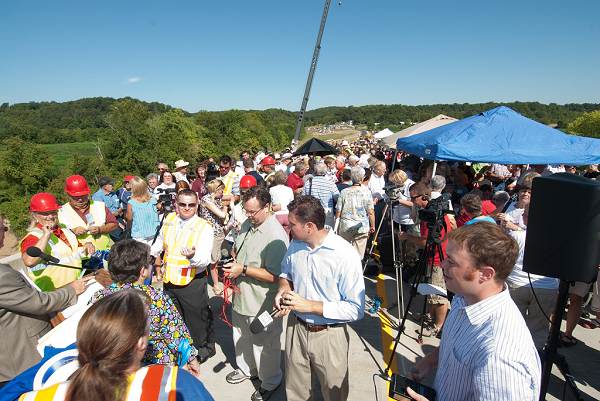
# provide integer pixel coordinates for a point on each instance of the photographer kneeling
(420, 196)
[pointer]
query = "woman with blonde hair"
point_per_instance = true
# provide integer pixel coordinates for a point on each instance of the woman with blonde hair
(403, 211)
(141, 214)
(214, 211)
(112, 338)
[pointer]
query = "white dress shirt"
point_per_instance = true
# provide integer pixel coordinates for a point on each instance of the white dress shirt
(331, 273)
(487, 353)
(376, 185)
(203, 245)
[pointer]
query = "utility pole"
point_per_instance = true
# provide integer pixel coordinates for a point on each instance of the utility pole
(311, 74)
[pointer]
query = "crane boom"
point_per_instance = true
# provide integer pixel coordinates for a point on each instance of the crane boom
(311, 74)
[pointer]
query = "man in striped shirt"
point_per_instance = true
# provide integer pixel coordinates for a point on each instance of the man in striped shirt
(486, 352)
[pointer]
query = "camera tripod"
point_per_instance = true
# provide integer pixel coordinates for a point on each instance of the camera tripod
(398, 263)
(432, 245)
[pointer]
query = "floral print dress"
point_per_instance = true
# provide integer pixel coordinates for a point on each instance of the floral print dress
(167, 328)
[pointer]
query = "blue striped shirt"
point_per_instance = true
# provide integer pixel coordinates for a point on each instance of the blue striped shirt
(322, 189)
(487, 353)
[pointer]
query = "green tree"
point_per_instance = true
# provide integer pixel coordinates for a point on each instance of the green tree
(25, 169)
(588, 124)
(130, 140)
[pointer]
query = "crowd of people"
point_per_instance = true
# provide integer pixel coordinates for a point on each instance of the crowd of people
(281, 235)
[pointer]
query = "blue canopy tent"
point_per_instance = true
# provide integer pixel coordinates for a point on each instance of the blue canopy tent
(501, 135)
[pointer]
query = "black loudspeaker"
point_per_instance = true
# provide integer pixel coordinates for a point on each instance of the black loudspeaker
(563, 228)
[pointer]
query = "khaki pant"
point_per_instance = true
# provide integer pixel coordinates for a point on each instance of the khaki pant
(324, 353)
(581, 289)
(536, 322)
(358, 241)
(437, 279)
(258, 354)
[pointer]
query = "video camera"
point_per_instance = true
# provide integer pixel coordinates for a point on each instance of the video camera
(436, 208)
(166, 198)
(225, 258)
(393, 191)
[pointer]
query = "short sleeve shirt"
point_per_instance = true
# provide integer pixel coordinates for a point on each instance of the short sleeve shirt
(261, 247)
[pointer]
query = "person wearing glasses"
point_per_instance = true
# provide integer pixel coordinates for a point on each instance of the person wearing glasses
(259, 249)
(186, 240)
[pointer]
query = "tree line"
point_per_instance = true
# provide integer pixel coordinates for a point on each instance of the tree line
(131, 136)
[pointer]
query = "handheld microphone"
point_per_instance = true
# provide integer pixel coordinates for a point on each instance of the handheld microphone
(36, 252)
(262, 321)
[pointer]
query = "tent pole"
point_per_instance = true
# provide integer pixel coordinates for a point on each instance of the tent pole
(434, 168)
(394, 161)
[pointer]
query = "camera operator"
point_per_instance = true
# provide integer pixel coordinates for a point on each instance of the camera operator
(420, 196)
(486, 352)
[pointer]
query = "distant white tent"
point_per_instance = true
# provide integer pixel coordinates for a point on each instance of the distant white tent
(383, 133)
(432, 123)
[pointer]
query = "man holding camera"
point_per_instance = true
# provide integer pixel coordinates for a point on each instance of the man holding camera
(259, 249)
(486, 352)
(420, 196)
(321, 282)
(187, 243)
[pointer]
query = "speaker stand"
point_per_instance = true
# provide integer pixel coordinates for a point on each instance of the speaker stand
(550, 355)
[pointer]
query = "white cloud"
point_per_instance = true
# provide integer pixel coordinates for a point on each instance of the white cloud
(133, 80)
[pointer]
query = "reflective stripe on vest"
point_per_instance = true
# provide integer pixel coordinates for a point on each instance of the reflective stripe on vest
(48, 277)
(228, 181)
(177, 267)
(69, 217)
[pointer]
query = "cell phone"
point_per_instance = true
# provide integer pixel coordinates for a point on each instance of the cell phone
(400, 383)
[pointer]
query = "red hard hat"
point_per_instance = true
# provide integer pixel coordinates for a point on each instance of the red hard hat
(128, 178)
(247, 181)
(43, 202)
(76, 185)
(267, 161)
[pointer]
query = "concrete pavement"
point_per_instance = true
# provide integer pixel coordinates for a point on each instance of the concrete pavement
(366, 360)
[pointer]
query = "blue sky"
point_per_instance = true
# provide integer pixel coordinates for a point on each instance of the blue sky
(217, 55)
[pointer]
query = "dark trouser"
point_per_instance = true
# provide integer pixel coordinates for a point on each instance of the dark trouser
(192, 302)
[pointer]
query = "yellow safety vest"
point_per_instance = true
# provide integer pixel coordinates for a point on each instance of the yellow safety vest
(177, 267)
(228, 181)
(69, 217)
(48, 277)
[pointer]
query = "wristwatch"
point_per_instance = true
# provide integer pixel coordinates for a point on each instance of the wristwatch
(244, 270)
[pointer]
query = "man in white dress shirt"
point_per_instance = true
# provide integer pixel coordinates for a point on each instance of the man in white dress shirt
(486, 352)
(186, 240)
(321, 283)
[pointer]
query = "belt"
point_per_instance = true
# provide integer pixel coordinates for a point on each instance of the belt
(315, 328)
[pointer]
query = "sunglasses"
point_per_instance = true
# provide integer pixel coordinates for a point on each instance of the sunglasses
(187, 205)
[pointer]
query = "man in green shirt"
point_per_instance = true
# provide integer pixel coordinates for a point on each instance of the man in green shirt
(259, 250)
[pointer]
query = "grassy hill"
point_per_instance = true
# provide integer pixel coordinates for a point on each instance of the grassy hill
(61, 153)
